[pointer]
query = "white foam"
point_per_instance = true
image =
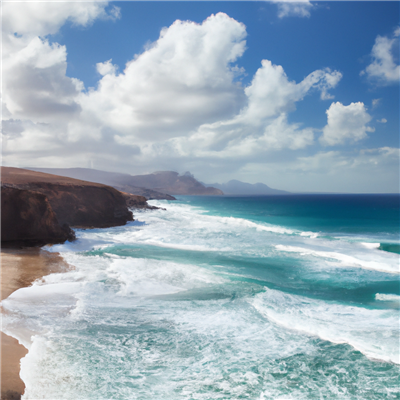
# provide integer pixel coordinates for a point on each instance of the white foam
(388, 265)
(387, 297)
(43, 292)
(375, 333)
(311, 235)
(144, 277)
(238, 331)
(370, 245)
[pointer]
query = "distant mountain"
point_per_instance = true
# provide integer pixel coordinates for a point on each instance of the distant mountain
(235, 187)
(117, 180)
(151, 186)
(172, 182)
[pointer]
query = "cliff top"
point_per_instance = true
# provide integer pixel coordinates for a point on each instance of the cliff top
(20, 176)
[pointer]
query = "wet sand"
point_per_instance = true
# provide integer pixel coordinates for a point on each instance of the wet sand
(19, 268)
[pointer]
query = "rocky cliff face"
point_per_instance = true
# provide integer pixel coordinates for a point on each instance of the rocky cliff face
(28, 218)
(85, 206)
(135, 201)
(76, 203)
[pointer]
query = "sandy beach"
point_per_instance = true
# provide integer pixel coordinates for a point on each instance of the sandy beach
(19, 268)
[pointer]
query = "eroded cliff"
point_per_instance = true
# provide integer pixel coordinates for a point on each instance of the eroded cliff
(28, 218)
(75, 202)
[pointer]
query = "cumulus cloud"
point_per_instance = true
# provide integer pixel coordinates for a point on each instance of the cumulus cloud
(179, 99)
(35, 84)
(41, 19)
(34, 70)
(261, 125)
(382, 121)
(106, 68)
(179, 102)
(346, 124)
(294, 8)
(384, 69)
(183, 79)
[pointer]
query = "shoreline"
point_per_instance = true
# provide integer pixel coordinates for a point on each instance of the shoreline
(19, 269)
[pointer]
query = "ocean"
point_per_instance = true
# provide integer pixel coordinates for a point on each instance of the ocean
(277, 297)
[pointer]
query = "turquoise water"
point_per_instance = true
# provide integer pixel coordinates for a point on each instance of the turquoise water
(285, 297)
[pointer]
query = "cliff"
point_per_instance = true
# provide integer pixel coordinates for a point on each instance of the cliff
(28, 218)
(138, 202)
(76, 203)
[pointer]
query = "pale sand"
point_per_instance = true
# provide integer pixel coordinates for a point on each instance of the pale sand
(19, 268)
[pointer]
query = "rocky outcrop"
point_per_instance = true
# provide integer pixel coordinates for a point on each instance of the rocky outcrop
(28, 218)
(137, 202)
(76, 203)
(85, 206)
(148, 194)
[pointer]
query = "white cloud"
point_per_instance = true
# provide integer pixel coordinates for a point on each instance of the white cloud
(106, 68)
(44, 18)
(293, 8)
(260, 126)
(177, 100)
(384, 69)
(176, 104)
(376, 102)
(345, 123)
(183, 79)
(35, 84)
(382, 121)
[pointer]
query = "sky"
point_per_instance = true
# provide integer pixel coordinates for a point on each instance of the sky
(300, 96)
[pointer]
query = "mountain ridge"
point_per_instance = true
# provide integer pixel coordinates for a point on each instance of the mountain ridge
(157, 185)
(236, 187)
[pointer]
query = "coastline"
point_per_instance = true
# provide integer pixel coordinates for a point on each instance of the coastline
(20, 268)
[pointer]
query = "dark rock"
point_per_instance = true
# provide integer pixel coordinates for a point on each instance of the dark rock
(86, 206)
(135, 201)
(11, 395)
(27, 218)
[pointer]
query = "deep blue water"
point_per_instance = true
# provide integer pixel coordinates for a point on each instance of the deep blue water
(280, 297)
(340, 213)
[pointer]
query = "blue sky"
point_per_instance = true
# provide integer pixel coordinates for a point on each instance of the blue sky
(199, 98)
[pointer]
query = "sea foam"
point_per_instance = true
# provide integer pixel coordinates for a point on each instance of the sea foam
(387, 264)
(375, 333)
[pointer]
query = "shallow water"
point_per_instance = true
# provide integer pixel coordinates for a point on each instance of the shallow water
(286, 297)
